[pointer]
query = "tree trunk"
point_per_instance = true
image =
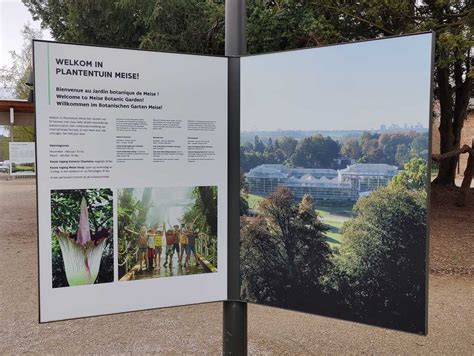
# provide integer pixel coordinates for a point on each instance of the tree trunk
(453, 104)
(447, 168)
(468, 173)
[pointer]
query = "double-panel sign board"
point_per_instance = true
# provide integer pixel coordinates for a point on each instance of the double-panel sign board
(132, 180)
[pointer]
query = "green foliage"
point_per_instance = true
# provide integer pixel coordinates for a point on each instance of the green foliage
(380, 272)
(244, 205)
(284, 254)
(402, 155)
(392, 147)
(413, 176)
(24, 134)
(65, 211)
(287, 24)
(14, 77)
(287, 145)
(4, 148)
(132, 214)
(204, 210)
(318, 151)
(163, 25)
(65, 208)
(351, 149)
(172, 23)
(376, 274)
(315, 152)
(112, 23)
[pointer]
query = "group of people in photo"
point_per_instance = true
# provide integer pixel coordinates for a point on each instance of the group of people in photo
(176, 239)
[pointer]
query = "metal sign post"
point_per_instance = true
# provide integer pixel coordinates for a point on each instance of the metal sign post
(235, 311)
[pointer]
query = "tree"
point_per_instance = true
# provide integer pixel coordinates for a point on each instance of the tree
(315, 152)
(413, 176)
(284, 253)
(258, 145)
(351, 148)
(203, 213)
(286, 24)
(145, 204)
(112, 23)
(14, 78)
(389, 143)
(287, 145)
(208, 207)
(128, 210)
(168, 25)
(402, 155)
(380, 272)
(420, 144)
(173, 23)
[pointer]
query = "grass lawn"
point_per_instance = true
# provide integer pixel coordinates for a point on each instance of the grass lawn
(334, 217)
(20, 168)
(253, 201)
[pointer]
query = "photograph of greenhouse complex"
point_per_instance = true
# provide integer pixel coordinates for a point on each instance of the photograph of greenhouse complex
(334, 191)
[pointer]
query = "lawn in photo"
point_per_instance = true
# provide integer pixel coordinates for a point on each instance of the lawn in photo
(167, 232)
(27, 167)
(82, 237)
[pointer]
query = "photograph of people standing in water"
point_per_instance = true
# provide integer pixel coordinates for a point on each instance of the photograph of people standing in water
(334, 161)
(166, 232)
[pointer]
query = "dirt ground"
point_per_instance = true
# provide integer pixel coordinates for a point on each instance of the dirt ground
(198, 329)
(452, 233)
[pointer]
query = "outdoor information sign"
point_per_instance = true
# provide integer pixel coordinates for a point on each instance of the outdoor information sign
(132, 158)
(22, 158)
(132, 151)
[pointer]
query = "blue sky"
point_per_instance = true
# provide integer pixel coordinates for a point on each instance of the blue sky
(355, 86)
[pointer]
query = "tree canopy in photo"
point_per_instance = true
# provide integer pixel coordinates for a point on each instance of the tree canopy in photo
(284, 252)
(380, 271)
(203, 212)
(315, 152)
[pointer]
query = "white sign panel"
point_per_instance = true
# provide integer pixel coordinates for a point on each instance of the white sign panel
(22, 158)
(132, 174)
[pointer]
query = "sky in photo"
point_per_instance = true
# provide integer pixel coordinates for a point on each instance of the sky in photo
(358, 86)
(168, 205)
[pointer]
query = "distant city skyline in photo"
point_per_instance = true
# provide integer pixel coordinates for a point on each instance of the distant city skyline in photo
(390, 127)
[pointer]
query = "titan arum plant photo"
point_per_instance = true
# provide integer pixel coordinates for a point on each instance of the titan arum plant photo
(82, 237)
(333, 191)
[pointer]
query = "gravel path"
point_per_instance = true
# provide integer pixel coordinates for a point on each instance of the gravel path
(197, 329)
